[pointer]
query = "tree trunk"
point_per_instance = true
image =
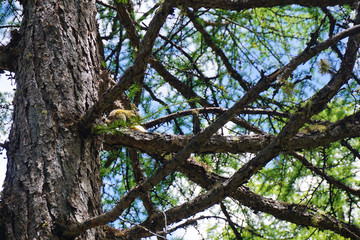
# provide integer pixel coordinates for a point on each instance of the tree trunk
(53, 176)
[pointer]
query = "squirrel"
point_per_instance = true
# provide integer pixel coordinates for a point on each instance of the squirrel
(125, 116)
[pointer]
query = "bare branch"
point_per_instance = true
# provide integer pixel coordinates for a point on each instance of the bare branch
(348, 127)
(128, 23)
(231, 223)
(233, 73)
(246, 4)
(213, 110)
(225, 188)
(315, 105)
(295, 213)
(352, 150)
(186, 91)
(139, 177)
(324, 175)
(105, 4)
(133, 73)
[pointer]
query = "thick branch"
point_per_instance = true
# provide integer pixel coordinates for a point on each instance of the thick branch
(10, 52)
(185, 90)
(139, 177)
(295, 213)
(133, 73)
(128, 23)
(324, 175)
(166, 169)
(213, 110)
(208, 40)
(151, 143)
(298, 214)
(228, 187)
(313, 106)
(246, 4)
(316, 104)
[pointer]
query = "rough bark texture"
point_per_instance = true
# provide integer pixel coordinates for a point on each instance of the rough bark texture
(53, 172)
(52, 188)
(245, 4)
(348, 127)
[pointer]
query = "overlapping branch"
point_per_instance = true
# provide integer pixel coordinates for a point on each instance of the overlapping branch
(270, 148)
(295, 213)
(208, 40)
(131, 75)
(220, 191)
(246, 4)
(134, 72)
(348, 127)
(212, 110)
(324, 175)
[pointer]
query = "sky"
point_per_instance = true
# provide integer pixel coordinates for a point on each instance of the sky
(5, 86)
(190, 234)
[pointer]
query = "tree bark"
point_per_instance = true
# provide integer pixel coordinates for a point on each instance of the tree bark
(151, 143)
(52, 177)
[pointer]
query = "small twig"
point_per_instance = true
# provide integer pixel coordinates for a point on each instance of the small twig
(352, 150)
(146, 229)
(321, 173)
(106, 5)
(231, 223)
(165, 221)
(214, 110)
(4, 145)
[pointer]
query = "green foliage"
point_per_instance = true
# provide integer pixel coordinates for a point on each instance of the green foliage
(5, 112)
(9, 17)
(256, 42)
(120, 179)
(211, 57)
(115, 126)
